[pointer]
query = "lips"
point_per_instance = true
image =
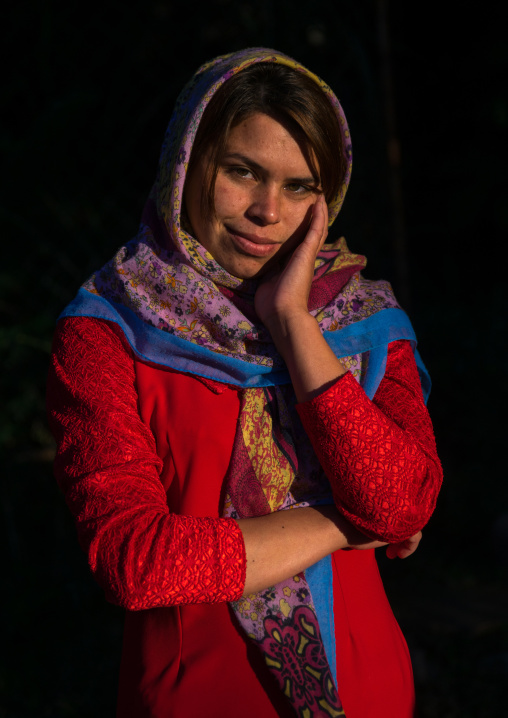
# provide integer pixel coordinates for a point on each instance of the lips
(252, 244)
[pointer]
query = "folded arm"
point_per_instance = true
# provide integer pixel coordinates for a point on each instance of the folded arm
(380, 455)
(141, 553)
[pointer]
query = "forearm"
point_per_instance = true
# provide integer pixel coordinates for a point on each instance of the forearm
(284, 543)
(312, 365)
(144, 557)
(379, 456)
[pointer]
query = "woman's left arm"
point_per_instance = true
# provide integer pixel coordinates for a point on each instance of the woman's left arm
(379, 456)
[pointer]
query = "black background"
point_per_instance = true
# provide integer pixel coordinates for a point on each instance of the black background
(88, 92)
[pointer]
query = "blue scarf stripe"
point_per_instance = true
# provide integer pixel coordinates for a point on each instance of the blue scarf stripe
(159, 347)
(320, 580)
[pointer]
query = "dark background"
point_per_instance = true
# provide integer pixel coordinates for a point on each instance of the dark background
(88, 93)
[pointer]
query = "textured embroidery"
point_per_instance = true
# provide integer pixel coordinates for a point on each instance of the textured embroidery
(108, 468)
(364, 445)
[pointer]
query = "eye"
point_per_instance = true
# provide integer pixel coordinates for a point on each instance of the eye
(296, 188)
(241, 172)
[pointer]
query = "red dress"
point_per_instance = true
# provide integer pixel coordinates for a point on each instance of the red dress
(142, 452)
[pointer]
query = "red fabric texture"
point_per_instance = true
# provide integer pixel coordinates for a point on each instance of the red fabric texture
(142, 452)
(374, 674)
(109, 467)
(380, 457)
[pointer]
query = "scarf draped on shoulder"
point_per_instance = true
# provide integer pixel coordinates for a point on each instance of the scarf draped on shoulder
(179, 308)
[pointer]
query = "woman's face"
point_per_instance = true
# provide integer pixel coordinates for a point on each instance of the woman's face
(264, 193)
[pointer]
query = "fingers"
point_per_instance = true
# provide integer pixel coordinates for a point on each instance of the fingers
(318, 229)
(404, 548)
(325, 220)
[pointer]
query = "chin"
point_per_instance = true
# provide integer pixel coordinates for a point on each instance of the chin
(247, 271)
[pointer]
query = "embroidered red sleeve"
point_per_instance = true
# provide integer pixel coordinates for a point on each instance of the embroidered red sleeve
(107, 466)
(380, 456)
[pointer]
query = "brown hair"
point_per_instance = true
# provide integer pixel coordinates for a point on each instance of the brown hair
(287, 95)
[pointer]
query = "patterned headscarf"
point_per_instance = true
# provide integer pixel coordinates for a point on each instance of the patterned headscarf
(170, 281)
(177, 306)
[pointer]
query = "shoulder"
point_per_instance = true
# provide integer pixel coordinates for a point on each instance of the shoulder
(79, 339)
(90, 359)
(88, 331)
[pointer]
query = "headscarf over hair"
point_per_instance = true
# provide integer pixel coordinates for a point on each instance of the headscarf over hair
(179, 308)
(171, 282)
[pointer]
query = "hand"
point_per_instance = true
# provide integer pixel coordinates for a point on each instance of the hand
(355, 538)
(285, 292)
(404, 548)
(358, 540)
(281, 303)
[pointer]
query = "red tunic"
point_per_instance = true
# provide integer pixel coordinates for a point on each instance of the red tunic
(142, 453)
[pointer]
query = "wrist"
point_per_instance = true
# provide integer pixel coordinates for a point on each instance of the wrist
(285, 329)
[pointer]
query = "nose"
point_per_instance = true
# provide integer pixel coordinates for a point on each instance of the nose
(265, 205)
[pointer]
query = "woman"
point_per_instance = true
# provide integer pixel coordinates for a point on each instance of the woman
(222, 368)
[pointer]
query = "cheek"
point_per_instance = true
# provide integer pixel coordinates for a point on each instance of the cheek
(229, 200)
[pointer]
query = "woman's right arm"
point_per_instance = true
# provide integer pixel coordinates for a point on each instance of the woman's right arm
(107, 466)
(108, 469)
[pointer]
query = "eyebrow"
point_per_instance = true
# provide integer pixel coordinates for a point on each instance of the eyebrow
(248, 161)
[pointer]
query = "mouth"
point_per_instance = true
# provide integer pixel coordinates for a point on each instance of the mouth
(252, 244)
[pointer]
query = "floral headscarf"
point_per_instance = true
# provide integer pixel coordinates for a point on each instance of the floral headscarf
(171, 282)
